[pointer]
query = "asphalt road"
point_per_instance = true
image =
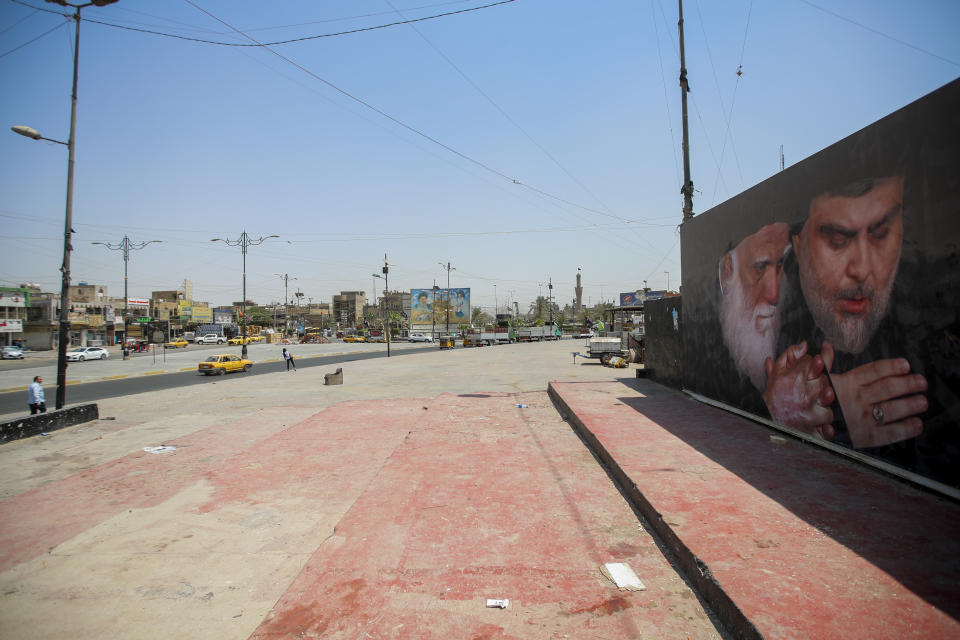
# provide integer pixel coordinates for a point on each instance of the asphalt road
(15, 401)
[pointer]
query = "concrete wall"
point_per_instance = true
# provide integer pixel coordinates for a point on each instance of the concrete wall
(28, 426)
(664, 340)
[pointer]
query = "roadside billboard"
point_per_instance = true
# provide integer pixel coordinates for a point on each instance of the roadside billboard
(440, 306)
(10, 297)
(824, 298)
(638, 297)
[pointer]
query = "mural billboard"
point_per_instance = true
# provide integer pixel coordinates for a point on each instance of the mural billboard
(638, 297)
(825, 298)
(440, 307)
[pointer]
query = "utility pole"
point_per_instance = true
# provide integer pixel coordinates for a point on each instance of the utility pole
(687, 188)
(550, 300)
(286, 298)
(127, 246)
(433, 310)
(243, 242)
(447, 306)
(386, 287)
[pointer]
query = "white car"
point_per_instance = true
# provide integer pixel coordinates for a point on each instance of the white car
(210, 338)
(419, 337)
(12, 353)
(87, 353)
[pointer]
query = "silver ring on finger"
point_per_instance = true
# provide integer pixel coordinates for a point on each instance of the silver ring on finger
(878, 414)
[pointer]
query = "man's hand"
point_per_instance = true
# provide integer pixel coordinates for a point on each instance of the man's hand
(880, 400)
(798, 394)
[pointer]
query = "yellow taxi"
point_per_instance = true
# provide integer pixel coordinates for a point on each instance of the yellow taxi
(176, 344)
(222, 363)
(354, 339)
(255, 338)
(239, 340)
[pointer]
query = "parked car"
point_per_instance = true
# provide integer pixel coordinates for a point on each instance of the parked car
(12, 353)
(222, 363)
(87, 353)
(354, 339)
(210, 338)
(176, 344)
(419, 337)
(239, 340)
(255, 338)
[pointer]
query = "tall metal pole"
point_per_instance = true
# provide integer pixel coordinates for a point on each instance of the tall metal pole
(64, 322)
(243, 242)
(550, 300)
(286, 297)
(386, 288)
(433, 311)
(687, 188)
(243, 348)
(64, 334)
(447, 306)
(126, 245)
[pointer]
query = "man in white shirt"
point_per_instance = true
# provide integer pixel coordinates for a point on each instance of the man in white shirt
(35, 397)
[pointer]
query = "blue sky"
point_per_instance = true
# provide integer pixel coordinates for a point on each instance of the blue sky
(523, 140)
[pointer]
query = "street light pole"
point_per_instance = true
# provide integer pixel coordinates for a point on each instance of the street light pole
(64, 329)
(286, 298)
(433, 312)
(386, 288)
(126, 245)
(446, 308)
(550, 300)
(243, 242)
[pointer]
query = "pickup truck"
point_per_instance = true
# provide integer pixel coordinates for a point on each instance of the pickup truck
(210, 338)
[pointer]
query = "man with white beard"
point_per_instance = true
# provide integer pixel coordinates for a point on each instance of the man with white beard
(750, 276)
(798, 394)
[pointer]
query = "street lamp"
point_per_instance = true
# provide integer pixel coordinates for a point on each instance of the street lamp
(379, 311)
(286, 299)
(386, 287)
(243, 242)
(64, 332)
(447, 307)
(433, 310)
(127, 246)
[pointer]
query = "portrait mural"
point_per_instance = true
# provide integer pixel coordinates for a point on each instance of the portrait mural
(429, 306)
(827, 298)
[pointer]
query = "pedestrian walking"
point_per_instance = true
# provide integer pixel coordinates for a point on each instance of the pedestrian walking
(289, 358)
(35, 397)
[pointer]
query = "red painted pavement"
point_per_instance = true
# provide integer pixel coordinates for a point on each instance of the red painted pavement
(485, 500)
(806, 543)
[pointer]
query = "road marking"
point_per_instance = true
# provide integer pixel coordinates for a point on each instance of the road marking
(153, 373)
(13, 389)
(115, 377)
(187, 368)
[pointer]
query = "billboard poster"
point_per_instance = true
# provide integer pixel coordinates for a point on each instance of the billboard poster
(638, 297)
(824, 298)
(440, 306)
(109, 316)
(14, 298)
(631, 299)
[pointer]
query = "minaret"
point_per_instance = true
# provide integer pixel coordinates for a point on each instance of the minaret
(579, 291)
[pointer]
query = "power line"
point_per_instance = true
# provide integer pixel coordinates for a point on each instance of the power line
(45, 33)
(881, 34)
(405, 125)
(294, 40)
